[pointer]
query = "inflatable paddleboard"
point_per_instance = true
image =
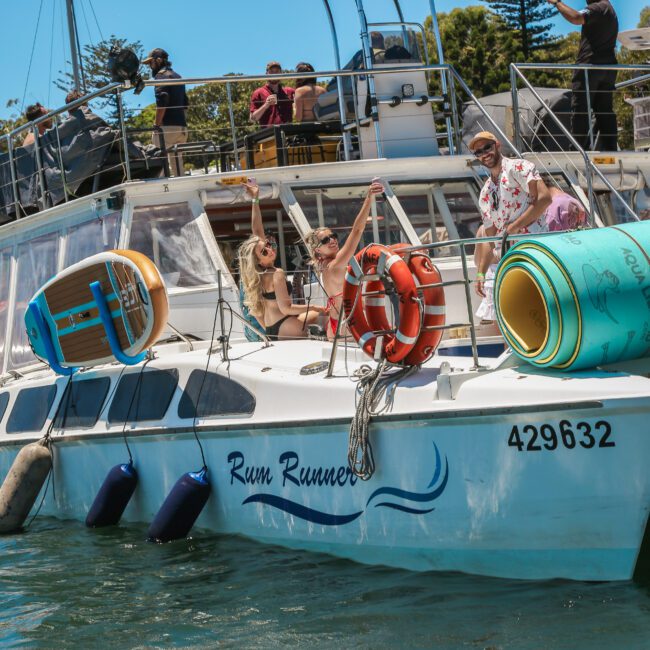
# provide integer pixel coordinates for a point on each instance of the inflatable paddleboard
(109, 306)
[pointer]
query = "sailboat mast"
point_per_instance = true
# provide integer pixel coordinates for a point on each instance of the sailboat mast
(74, 53)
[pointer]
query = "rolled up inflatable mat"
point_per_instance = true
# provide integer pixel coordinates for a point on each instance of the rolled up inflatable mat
(137, 302)
(181, 508)
(577, 300)
(22, 484)
(113, 496)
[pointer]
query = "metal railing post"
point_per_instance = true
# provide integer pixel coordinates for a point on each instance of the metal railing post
(60, 159)
(468, 300)
(233, 130)
(125, 142)
(515, 107)
(457, 134)
(39, 166)
(590, 126)
(14, 180)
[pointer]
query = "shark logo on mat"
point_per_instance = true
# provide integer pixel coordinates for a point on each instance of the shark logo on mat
(599, 285)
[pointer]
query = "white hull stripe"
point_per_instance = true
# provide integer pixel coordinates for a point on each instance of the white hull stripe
(408, 340)
(435, 310)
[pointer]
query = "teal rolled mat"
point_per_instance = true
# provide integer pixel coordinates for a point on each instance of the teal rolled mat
(577, 300)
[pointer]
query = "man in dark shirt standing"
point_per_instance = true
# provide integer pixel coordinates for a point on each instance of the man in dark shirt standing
(597, 45)
(171, 104)
(272, 103)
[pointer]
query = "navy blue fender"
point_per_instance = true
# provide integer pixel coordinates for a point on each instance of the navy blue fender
(181, 508)
(113, 496)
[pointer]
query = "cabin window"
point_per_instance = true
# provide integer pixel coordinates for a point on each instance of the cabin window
(142, 396)
(5, 283)
(82, 403)
(441, 211)
(4, 400)
(337, 207)
(91, 237)
(170, 236)
(36, 264)
(218, 396)
(30, 409)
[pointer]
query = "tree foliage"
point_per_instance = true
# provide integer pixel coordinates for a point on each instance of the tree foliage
(528, 19)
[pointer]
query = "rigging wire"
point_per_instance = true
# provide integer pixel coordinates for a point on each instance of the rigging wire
(49, 77)
(90, 37)
(31, 56)
(90, 2)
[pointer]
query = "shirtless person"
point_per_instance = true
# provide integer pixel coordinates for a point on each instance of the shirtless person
(332, 261)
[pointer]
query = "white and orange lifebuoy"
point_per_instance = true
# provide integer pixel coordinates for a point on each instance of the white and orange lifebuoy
(369, 314)
(369, 261)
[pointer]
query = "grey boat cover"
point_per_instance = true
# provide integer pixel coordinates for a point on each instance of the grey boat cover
(538, 129)
(86, 141)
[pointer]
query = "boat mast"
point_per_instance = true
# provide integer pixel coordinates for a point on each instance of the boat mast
(74, 52)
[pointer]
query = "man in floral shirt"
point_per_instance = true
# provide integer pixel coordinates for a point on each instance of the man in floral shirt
(514, 198)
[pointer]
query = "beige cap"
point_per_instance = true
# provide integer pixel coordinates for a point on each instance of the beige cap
(483, 135)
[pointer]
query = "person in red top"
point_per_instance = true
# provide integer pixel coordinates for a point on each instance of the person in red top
(273, 102)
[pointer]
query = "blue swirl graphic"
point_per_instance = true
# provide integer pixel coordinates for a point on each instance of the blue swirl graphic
(418, 497)
(410, 511)
(293, 508)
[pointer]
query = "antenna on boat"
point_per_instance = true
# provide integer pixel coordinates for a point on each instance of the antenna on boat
(77, 67)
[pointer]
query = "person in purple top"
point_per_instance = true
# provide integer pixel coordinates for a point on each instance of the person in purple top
(272, 103)
(597, 46)
(565, 212)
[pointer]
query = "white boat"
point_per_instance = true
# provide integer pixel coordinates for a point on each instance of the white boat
(484, 464)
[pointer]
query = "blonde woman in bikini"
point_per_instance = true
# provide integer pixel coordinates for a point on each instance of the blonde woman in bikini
(331, 261)
(267, 292)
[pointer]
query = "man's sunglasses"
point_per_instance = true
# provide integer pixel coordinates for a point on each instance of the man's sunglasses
(268, 245)
(328, 238)
(488, 147)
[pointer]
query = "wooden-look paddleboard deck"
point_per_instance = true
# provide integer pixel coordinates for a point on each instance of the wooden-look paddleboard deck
(136, 297)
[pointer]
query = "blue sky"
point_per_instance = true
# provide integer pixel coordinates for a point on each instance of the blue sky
(204, 38)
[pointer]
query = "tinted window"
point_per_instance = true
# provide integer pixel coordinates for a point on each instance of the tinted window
(82, 403)
(4, 400)
(30, 409)
(219, 396)
(143, 396)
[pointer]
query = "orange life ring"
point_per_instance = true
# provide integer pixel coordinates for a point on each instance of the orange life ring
(424, 273)
(395, 346)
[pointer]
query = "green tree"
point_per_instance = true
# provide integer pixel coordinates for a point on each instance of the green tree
(529, 21)
(95, 60)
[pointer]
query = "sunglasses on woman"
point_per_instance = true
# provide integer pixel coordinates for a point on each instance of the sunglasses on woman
(328, 238)
(268, 247)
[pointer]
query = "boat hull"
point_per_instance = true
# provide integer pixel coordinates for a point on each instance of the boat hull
(451, 493)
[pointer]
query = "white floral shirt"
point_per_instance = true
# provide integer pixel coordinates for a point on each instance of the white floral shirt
(503, 203)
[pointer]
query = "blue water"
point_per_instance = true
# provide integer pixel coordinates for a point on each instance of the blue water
(64, 586)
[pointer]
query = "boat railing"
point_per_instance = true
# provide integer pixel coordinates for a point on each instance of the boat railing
(38, 176)
(549, 131)
(466, 282)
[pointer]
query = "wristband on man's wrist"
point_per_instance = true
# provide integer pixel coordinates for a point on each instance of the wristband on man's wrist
(256, 199)
(480, 276)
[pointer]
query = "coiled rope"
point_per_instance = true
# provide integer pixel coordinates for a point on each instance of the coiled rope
(374, 385)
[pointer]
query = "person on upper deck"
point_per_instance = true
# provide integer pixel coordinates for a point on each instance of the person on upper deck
(332, 262)
(272, 103)
(266, 289)
(597, 46)
(171, 107)
(306, 95)
(513, 199)
(33, 112)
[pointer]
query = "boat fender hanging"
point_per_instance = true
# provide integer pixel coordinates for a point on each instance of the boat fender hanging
(23, 483)
(113, 496)
(181, 508)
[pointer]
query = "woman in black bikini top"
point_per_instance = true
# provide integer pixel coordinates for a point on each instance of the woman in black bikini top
(267, 293)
